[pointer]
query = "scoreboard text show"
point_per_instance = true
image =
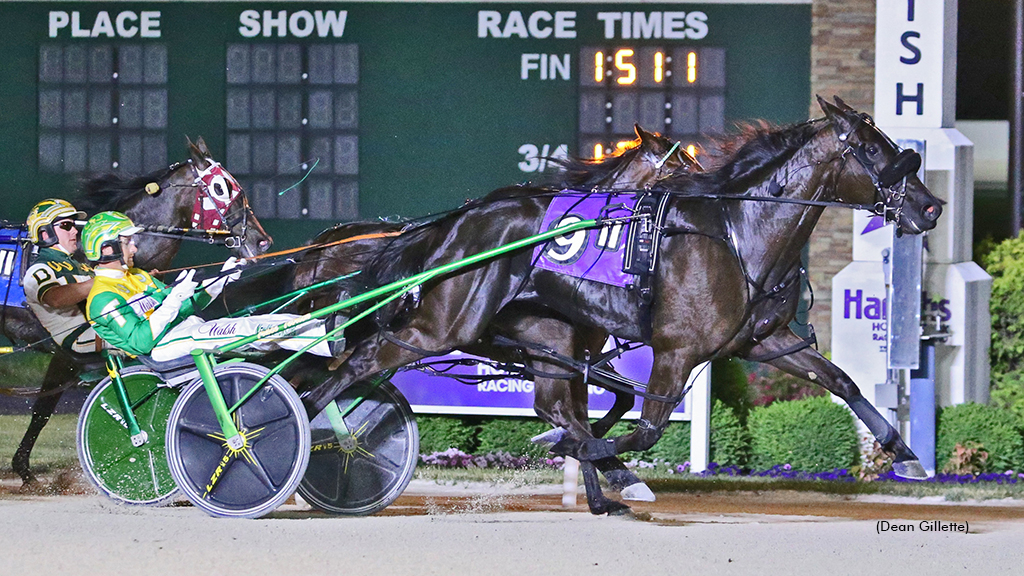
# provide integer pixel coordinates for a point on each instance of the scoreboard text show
(377, 109)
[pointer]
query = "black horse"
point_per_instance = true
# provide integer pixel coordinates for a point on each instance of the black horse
(562, 402)
(726, 285)
(163, 198)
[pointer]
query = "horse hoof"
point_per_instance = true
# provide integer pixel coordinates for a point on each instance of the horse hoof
(618, 509)
(552, 436)
(638, 492)
(910, 469)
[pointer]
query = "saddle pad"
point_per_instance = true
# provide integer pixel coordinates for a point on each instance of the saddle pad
(594, 254)
(11, 290)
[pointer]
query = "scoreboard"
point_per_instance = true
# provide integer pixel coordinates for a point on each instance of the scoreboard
(328, 112)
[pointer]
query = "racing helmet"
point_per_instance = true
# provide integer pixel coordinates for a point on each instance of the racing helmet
(106, 229)
(44, 214)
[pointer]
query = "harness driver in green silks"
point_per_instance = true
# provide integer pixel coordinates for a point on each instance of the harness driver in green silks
(140, 315)
(56, 285)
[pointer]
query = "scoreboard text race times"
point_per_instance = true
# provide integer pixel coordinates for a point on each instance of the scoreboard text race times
(377, 109)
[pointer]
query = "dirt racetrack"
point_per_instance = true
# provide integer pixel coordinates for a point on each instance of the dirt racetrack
(487, 529)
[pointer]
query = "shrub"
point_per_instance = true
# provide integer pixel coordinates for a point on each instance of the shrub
(730, 384)
(969, 459)
(511, 435)
(730, 440)
(1005, 263)
(994, 428)
(439, 433)
(813, 435)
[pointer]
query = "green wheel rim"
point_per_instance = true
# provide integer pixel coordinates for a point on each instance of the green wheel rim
(122, 472)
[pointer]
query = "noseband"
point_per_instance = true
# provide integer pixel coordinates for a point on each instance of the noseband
(891, 181)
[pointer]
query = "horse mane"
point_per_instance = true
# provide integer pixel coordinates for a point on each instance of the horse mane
(584, 173)
(115, 192)
(740, 159)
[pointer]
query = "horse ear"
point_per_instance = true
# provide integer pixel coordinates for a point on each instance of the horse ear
(642, 134)
(835, 115)
(199, 152)
(843, 105)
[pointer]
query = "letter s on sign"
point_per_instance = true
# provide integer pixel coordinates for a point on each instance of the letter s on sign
(250, 23)
(914, 50)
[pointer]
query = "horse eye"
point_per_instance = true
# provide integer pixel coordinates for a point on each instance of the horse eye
(872, 149)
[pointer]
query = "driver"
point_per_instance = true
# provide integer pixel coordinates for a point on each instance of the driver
(139, 314)
(56, 285)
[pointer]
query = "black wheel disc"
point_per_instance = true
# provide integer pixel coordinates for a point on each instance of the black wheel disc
(366, 470)
(257, 478)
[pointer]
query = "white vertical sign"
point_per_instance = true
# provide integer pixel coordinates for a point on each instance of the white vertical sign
(915, 63)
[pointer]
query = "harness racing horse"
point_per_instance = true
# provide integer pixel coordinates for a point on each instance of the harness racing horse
(560, 401)
(726, 284)
(165, 198)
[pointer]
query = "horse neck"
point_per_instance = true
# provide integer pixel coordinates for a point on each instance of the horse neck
(171, 207)
(770, 235)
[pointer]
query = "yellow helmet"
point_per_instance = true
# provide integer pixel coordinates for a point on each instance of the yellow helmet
(44, 214)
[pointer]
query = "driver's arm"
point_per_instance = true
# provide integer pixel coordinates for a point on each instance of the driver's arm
(62, 296)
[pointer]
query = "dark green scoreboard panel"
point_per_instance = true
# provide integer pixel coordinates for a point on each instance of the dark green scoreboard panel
(377, 108)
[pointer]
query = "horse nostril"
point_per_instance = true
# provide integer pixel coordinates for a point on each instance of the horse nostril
(933, 211)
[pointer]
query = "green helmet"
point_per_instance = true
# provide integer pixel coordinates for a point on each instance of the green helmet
(42, 216)
(106, 229)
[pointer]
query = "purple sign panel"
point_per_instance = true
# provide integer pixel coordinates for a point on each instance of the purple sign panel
(511, 395)
(590, 254)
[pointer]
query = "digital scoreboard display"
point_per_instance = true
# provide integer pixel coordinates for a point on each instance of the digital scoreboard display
(330, 112)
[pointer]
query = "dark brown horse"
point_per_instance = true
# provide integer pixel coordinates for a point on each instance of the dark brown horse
(562, 402)
(726, 284)
(169, 204)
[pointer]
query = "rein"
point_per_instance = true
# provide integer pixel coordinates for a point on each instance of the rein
(292, 250)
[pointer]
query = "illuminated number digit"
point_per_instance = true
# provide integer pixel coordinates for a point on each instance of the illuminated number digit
(598, 151)
(691, 150)
(599, 67)
(659, 67)
(530, 161)
(691, 67)
(622, 63)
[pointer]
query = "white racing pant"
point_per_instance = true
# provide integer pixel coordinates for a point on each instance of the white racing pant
(87, 342)
(194, 332)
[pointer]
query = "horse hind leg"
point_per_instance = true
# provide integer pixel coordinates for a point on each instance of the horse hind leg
(60, 371)
(809, 365)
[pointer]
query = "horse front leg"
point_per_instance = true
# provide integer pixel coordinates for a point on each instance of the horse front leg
(809, 365)
(60, 371)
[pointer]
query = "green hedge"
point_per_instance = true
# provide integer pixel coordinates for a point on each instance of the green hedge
(512, 435)
(996, 429)
(1004, 261)
(439, 433)
(812, 435)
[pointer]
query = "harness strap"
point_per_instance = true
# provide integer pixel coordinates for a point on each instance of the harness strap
(811, 340)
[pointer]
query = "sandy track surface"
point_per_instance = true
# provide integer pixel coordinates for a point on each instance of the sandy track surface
(495, 529)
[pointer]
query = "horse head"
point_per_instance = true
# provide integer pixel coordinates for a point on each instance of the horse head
(658, 157)
(896, 192)
(223, 198)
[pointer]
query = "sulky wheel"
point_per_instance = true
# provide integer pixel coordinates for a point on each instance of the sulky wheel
(123, 472)
(363, 467)
(263, 473)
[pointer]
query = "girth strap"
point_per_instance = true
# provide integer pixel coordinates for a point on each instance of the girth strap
(642, 248)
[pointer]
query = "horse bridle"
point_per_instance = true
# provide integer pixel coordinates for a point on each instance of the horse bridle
(891, 181)
(234, 241)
